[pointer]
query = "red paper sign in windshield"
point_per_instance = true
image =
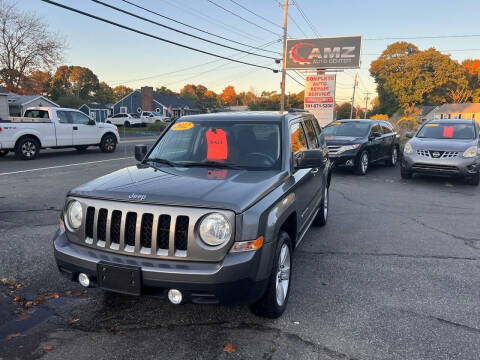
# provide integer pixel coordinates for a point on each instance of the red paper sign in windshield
(217, 147)
(448, 131)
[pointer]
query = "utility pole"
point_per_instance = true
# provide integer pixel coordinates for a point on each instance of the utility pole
(353, 96)
(282, 96)
(367, 97)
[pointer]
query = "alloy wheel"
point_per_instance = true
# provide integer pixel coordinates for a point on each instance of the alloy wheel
(394, 155)
(364, 162)
(29, 149)
(283, 275)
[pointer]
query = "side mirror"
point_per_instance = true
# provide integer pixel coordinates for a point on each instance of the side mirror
(309, 159)
(140, 152)
(91, 122)
(409, 135)
(376, 134)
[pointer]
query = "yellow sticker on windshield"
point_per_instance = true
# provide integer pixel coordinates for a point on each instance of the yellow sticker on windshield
(431, 125)
(185, 125)
(336, 123)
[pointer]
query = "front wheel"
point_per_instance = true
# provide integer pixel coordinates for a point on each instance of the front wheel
(405, 174)
(322, 216)
(274, 301)
(27, 148)
(3, 153)
(108, 143)
(361, 167)
(473, 180)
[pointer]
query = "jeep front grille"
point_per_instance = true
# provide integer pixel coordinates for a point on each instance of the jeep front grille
(147, 230)
(437, 154)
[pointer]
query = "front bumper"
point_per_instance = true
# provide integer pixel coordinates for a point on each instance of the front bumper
(234, 280)
(347, 158)
(457, 166)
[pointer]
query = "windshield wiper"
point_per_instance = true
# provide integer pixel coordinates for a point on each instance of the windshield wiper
(162, 161)
(212, 164)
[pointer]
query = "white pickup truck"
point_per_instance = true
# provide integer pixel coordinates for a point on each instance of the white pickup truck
(43, 127)
(150, 117)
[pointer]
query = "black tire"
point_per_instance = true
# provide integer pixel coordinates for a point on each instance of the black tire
(126, 124)
(81, 148)
(268, 306)
(108, 143)
(109, 122)
(393, 159)
(473, 180)
(361, 167)
(3, 153)
(405, 174)
(27, 148)
(322, 216)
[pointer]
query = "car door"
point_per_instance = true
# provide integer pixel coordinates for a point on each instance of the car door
(303, 177)
(388, 140)
(84, 129)
(64, 128)
(314, 144)
(375, 142)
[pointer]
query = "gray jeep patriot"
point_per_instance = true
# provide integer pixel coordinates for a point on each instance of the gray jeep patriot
(210, 214)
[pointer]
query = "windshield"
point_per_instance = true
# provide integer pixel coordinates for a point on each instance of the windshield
(250, 145)
(447, 131)
(353, 128)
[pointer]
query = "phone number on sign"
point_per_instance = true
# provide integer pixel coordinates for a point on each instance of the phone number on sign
(317, 106)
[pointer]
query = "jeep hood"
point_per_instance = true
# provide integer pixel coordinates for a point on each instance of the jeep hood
(230, 189)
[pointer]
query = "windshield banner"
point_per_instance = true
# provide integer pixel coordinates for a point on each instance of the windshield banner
(320, 97)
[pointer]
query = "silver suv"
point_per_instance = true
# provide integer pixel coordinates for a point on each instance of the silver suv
(211, 214)
(446, 147)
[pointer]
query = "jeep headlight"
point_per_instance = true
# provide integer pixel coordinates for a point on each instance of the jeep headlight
(215, 229)
(472, 151)
(408, 149)
(74, 215)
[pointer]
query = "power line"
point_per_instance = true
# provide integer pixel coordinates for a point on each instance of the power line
(178, 30)
(307, 20)
(241, 17)
(452, 50)
(423, 37)
(296, 24)
(194, 27)
(257, 15)
(291, 77)
(152, 36)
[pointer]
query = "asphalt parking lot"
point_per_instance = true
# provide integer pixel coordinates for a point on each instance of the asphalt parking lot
(393, 275)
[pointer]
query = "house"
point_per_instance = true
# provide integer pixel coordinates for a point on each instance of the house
(146, 99)
(427, 113)
(17, 104)
(3, 104)
(459, 111)
(97, 112)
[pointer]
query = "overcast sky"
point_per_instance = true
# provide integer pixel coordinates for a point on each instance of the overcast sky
(118, 56)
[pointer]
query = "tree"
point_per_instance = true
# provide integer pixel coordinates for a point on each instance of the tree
(343, 111)
(200, 94)
(229, 95)
(75, 81)
(104, 94)
(121, 91)
(38, 83)
(165, 91)
(26, 45)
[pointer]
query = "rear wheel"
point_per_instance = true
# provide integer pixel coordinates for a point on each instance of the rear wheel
(322, 216)
(27, 148)
(405, 174)
(126, 124)
(81, 148)
(361, 167)
(392, 160)
(108, 143)
(274, 301)
(473, 180)
(3, 153)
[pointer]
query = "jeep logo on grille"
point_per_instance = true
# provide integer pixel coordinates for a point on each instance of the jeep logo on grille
(436, 154)
(137, 196)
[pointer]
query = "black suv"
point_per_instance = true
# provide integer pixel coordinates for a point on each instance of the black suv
(358, 143)
(211, 214)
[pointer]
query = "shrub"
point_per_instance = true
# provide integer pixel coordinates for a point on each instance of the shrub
(379, 117)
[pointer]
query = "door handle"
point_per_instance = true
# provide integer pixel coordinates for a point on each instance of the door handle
(314, 170)
(75, 128)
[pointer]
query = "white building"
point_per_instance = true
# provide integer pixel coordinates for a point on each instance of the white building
(17, 104)
(469, 111)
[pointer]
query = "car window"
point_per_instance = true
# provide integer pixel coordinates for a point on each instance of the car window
(312, 137)
(386, 129)
(38, 114)
(79, 118)
(447, 131)
(376, 128)
(117, 116)
(348, 128)
(64, 117)
(317, 126)
(298, 139)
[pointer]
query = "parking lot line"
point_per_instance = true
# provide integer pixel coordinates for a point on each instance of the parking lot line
(136, 141)
(62, 166)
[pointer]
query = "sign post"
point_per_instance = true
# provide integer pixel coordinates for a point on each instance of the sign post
(320, 97)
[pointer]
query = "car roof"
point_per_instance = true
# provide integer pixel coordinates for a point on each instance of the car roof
(244, 115)
(358, 120)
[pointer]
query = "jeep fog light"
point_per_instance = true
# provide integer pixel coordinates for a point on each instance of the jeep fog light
(215, 229)
(74, 215)
(84, 280)
(247, 245)
(175, 296)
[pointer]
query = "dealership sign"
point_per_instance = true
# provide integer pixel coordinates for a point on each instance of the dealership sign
(320, 97)
(324, 53)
